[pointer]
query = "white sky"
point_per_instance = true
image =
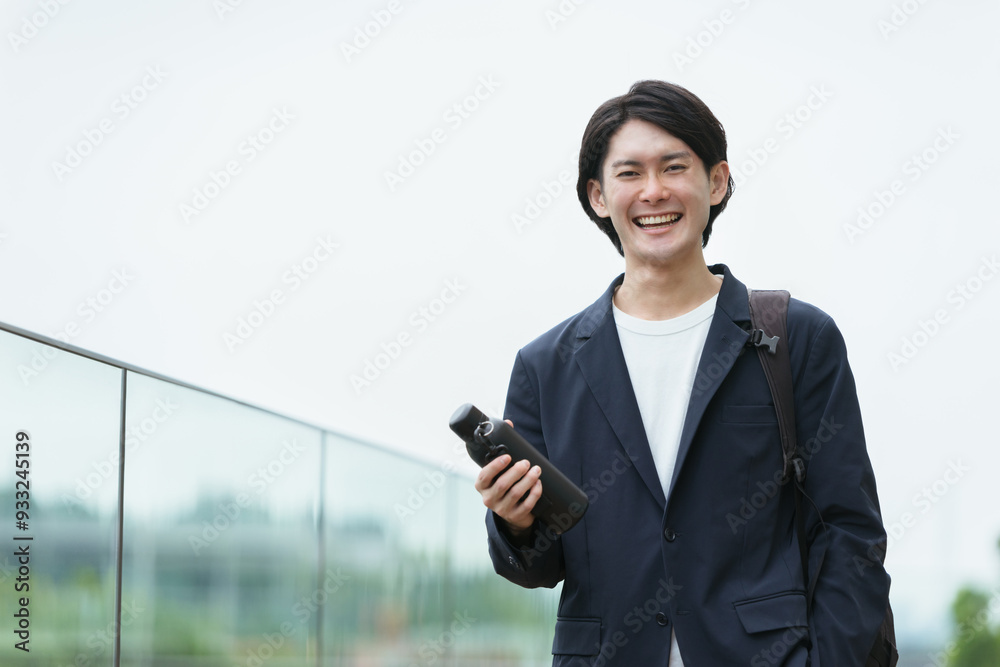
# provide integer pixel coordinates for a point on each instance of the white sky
(330, 127)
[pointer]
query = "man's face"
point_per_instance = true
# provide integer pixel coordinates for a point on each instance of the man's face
(657, 194)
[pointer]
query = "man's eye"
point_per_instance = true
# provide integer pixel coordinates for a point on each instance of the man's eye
(675, 167)
(627, 173)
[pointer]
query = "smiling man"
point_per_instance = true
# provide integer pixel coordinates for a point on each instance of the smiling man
(689, 555)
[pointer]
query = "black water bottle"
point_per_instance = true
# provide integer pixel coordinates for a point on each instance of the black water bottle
(562, 503)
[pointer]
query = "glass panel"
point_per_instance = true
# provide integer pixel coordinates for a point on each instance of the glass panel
(222, 556)
(415, 584)
(512, 625)
(385, 535)
(70, 409)
(221, 547)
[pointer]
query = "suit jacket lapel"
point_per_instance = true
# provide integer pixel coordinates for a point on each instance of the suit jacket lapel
(726, 338)
(600, 358)
(602, 363)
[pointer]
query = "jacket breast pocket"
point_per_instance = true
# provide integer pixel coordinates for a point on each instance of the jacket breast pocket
(577, 636)
(749, 414)
(780, 611)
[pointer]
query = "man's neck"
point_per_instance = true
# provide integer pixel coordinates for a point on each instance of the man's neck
(662, 293)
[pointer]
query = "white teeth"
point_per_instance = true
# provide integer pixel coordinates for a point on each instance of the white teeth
(658, 219)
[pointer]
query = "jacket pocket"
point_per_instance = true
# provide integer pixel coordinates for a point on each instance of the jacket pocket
(774, 612)
(577, 636)
(749, 414)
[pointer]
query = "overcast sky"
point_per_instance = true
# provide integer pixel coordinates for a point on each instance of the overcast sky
(357, 215)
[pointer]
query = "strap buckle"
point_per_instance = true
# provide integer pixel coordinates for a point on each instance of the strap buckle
(760, 339)
(798, 466)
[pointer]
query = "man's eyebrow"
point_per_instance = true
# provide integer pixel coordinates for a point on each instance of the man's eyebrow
(676, 155)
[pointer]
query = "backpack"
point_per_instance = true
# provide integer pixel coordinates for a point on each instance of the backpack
(768, 312)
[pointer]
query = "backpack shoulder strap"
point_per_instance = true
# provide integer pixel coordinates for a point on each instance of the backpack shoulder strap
(768, 316)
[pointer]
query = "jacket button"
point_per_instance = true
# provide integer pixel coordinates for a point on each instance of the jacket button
(670, 534)
(661, 618)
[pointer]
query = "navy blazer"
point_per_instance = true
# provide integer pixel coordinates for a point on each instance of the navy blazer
(719, 563)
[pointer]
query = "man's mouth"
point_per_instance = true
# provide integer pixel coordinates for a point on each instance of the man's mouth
(657, 221)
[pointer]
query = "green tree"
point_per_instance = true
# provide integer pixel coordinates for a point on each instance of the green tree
(975, 637)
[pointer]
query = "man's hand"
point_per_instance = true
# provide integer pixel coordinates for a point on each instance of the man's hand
(513, 494)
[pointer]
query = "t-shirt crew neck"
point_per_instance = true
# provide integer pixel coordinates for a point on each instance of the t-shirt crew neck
(663, 327)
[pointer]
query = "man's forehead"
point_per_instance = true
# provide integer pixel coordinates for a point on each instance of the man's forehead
(637, 136)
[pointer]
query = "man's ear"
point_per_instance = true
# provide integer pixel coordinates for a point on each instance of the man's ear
(597, 198)
(719, 178)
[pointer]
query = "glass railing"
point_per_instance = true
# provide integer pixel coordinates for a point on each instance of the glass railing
(216, 533)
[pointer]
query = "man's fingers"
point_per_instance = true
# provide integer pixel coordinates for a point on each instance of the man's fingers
(519, 515)
(525, 484)
(496, 494)
(533, 496)
(485, 477)
(512, 502)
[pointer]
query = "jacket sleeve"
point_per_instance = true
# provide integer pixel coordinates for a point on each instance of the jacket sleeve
(843, 522)
(539, 560)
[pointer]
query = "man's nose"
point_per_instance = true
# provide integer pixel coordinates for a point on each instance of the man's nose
(654, 189)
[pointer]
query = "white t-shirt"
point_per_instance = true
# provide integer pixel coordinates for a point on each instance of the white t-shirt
(662, 359)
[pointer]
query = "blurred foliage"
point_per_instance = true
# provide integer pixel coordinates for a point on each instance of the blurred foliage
(975, 638)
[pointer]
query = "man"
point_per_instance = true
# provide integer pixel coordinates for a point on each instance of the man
(646, 399)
